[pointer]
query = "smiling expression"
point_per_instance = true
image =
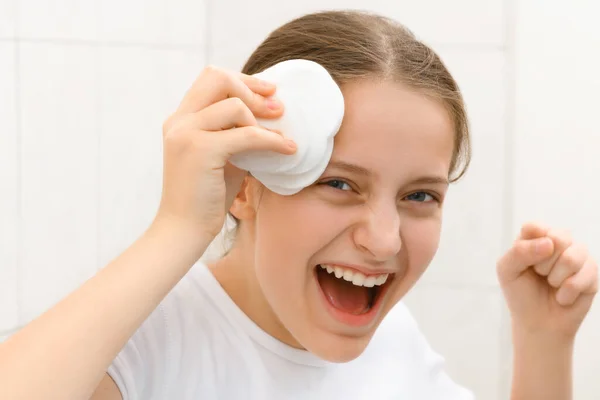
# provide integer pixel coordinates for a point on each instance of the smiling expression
(323, 267)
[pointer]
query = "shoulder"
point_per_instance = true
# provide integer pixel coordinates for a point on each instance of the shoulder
(401, 343)
(400, 329)
(152, 358)
(400, 339)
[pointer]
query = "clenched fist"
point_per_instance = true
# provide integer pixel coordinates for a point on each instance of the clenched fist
(548, 281)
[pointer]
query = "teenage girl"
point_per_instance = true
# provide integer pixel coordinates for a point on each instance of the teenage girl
(307, 302)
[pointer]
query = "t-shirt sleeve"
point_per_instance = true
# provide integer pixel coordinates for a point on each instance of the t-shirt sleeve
(139, 368)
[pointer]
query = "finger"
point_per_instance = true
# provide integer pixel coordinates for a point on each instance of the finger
(257, 85)
(533, 230)
(522, 255)
(225, 114)
(252, 138)
(215, 84)
(585, 282)
(562, 241)
(569, 263)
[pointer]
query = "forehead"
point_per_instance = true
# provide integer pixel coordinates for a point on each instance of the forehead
(390, 126)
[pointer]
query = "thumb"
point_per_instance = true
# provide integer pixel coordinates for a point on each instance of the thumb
(523, 254)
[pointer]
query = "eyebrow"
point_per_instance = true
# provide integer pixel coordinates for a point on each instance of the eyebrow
(357, 169)
(435, 180)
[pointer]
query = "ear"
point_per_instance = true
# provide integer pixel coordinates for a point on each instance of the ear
(244, 203)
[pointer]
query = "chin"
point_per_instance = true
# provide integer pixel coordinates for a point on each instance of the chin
(337, 348)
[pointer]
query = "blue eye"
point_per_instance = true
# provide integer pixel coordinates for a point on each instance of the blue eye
(420, 197)
(338, 184)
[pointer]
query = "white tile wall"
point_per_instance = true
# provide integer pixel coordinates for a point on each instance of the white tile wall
(451, 22)
(58, 19)
(155, 22)
(8, 188)
(186, 22)
(140, 87)
(558, 129)
(131, 115)
(136, 21)
(59, 164)
(7, 18)
(557, 106)
(182, 68)
(471, 321)
(474, 217)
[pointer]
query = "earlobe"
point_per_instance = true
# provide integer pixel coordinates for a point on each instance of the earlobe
(242, 207)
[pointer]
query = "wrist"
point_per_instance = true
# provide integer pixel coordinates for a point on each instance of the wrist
(181, 234)
(181, 227)
(542, 338)
(542, 365)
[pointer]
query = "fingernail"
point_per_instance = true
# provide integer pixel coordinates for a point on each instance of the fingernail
(290, 143)
(273, 103)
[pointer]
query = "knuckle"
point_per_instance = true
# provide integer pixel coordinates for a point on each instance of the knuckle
(570, 285)
(237, 102)
(521, 249)
(252, 132)
(594, 267)
(541, 269)
(177, 133)
(174, 141)
(563, 237)
(210, 70)
(527, 226)
(168, 123)
(571, 260)
(217, 74)
(239, 106)
(553, 281)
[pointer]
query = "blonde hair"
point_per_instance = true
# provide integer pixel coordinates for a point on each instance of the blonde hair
(355, 45)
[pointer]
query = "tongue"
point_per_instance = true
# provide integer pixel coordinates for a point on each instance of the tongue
(343, 295)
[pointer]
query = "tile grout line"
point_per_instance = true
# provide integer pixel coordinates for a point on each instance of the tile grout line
(205, 46)
(510, 20)
(96, 43)
(207, 31)
(99, 112)
(19, 170)
(98, 131)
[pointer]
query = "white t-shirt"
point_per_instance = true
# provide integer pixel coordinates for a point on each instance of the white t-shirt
(199, 345)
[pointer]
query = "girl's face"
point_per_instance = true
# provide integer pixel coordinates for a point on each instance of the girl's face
(373, 218)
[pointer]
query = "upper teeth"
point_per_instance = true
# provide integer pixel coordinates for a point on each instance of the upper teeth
(357, 278)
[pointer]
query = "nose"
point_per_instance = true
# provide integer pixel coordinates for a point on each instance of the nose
(379, 232)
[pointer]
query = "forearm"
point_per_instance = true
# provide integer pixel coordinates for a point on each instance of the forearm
(65, 352)
(542, 368)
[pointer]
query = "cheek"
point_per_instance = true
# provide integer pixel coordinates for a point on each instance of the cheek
(421, 238)
(296, 227)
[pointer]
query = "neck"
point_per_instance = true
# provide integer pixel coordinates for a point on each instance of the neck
(236, 273)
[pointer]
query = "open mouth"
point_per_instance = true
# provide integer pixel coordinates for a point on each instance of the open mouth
(351, 292)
